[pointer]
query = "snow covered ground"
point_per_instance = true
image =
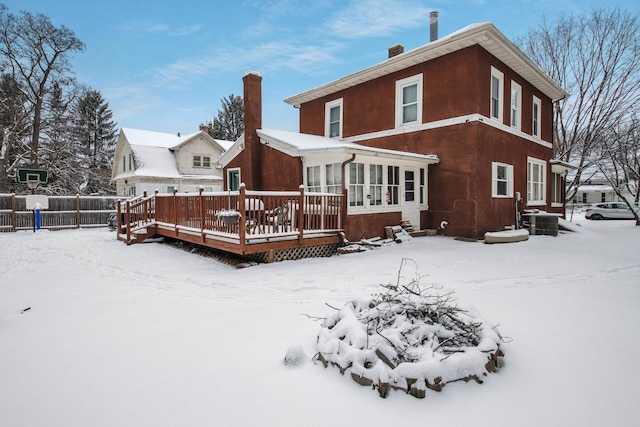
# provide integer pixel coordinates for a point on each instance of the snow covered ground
(148, 335)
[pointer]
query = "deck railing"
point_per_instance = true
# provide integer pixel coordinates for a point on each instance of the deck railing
(242, 217)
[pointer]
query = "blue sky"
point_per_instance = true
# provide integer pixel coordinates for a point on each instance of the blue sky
(165, 66)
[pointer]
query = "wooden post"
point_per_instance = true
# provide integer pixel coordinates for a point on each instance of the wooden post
(242, 227)
(145, 207)
(343, 214)
(127, 220)
(14, 216)
(175, 210)
(77, 211)
(301, 209)
(119, 217)
(202, 222)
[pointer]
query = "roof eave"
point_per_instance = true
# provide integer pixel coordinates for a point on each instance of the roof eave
(485, 35)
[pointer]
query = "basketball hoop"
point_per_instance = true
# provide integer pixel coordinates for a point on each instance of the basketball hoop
(33, 183)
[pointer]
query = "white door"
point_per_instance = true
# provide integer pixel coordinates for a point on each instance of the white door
(410, 196)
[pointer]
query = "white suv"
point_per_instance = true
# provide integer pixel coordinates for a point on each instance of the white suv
(609, 211)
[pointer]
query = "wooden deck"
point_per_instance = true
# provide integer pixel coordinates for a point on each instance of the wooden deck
(242, 222)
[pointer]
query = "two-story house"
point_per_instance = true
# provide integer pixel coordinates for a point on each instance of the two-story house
(150, 161)
(456, 134)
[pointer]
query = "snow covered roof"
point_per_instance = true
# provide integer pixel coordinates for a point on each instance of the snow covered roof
(154, 153)
(483, 34)
(300, 144)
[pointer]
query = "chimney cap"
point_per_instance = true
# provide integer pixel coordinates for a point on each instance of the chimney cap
(255, 73)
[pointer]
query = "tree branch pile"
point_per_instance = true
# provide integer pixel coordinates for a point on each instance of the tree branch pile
(410, 339)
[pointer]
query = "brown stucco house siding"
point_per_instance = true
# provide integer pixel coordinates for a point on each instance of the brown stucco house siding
(455, 127)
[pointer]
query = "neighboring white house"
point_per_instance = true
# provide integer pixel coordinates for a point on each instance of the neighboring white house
(150, 161)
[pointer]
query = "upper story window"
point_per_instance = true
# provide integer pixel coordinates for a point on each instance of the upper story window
(535, 127)
(333, 119)
(516, 104)
(497, 93)
(536, 183)
(409, 101)
(200, 161)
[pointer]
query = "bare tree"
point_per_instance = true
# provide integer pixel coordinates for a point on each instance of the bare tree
(619, 163)
(596, 59)
(36, 53)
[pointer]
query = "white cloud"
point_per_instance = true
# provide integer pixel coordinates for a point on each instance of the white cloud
(146, 27)
(368, 18)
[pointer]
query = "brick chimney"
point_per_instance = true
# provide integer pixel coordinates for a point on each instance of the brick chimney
(396, 50)
(204, 128)
(433, 26)
(252, 121)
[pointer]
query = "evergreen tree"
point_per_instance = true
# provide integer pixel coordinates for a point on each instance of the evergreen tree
(14, 131)
(229, 124)
(96, 134)
(58, 150)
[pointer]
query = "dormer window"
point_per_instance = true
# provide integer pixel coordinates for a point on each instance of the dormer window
(333, 119)
(409, 101)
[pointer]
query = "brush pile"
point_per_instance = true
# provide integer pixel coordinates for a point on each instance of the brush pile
(410, 339)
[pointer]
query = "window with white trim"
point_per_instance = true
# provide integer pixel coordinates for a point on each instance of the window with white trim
(556, 189)
(535, 127)
(206, 162)
(497, 93)
(423, 186)
(393, 185)
(516, 104)
(409, 185)
(233, 179)
(314, 181)
(375, 185)
(536, 186)
(333, 119)
(197, 161)
(333, 178)
(409, 101)
(501, 180)
(356, 184)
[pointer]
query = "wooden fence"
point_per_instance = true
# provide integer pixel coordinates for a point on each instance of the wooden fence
(63, 212)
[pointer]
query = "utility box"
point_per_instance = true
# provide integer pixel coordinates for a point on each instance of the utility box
(543, 225)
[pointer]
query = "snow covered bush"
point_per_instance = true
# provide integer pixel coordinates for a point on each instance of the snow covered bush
(409, 338)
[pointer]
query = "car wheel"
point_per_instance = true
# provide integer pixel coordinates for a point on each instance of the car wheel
(596, 217)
